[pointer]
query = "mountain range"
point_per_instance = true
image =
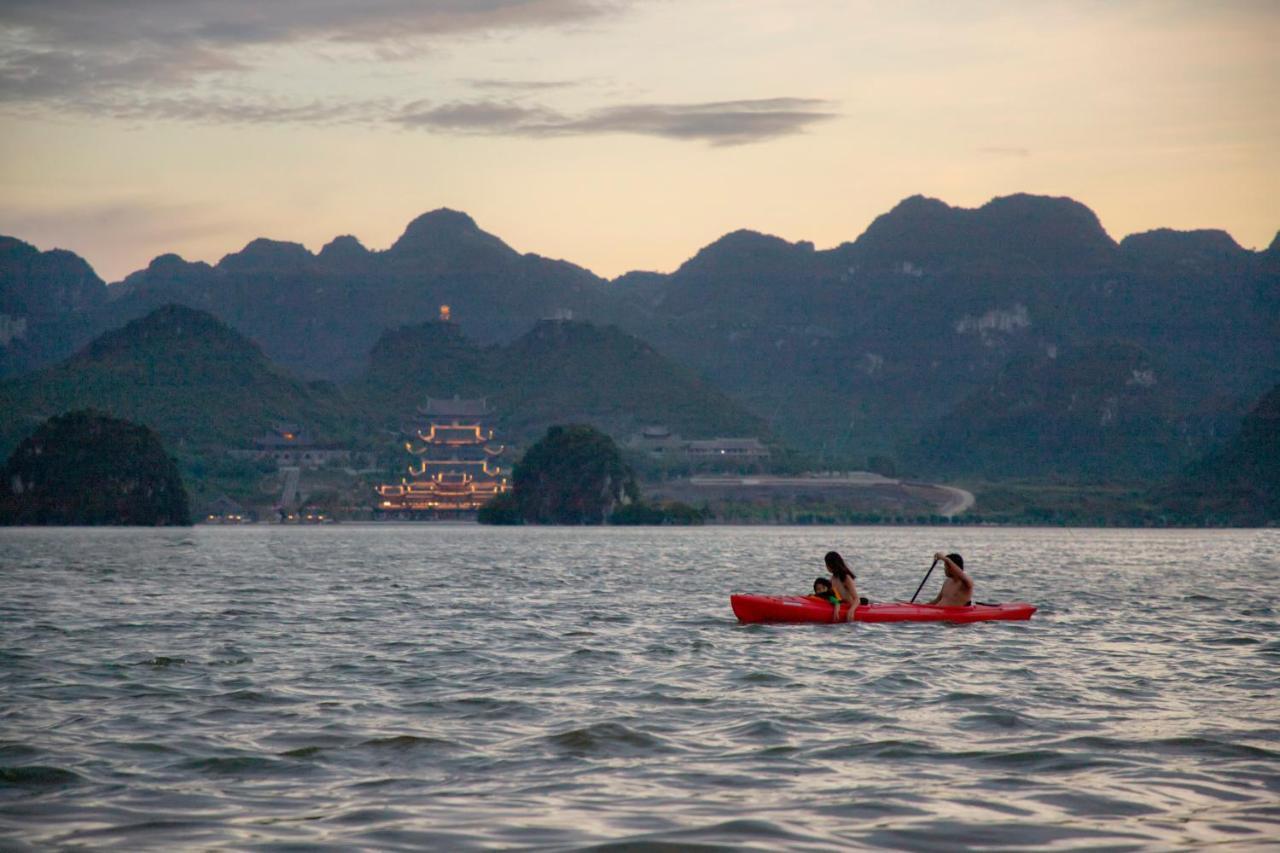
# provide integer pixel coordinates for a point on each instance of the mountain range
(916, 339)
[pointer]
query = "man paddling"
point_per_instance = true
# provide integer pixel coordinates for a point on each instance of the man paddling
(957, 589)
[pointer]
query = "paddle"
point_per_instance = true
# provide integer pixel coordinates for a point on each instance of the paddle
(923, 582)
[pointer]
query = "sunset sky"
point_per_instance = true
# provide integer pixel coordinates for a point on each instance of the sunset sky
(620, 134)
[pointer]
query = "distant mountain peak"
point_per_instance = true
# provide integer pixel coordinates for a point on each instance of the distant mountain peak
(165, 270)
(442, 230)
(1059, 223)
(176, 318)
(919, 203)
(1171, 243)
(744, 238)
(45, 284)
(263, 254)
(1055, 230)
(1058, 210)
(743, 247)
(168, 329)
(169, 262)
(13, 247)
(344, 247)
(1025, 202)
(912, 216)
(444, 218)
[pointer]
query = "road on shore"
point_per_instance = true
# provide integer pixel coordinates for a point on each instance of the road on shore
(947, 501)
(959, 502)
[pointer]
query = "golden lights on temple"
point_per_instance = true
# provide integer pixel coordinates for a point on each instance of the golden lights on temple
(458, 466)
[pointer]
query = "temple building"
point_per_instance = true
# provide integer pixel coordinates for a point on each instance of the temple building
(456, 466)
(661, 443)
(291, 444)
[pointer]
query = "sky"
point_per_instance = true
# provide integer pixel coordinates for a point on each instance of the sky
(621, 134)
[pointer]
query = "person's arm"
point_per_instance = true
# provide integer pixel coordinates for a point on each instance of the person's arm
(848, 592)
(946, 567)
(956, 573)
(834, 601)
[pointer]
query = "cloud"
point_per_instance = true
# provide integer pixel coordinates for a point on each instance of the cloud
(52, 49)
(210, 61)
(521, 85)
(721, 123)
(479, 117)
(93, 23)
(718, 122)
(256, 110)
(34, 75)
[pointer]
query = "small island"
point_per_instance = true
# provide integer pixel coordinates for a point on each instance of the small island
(85, 468)
(575, 474)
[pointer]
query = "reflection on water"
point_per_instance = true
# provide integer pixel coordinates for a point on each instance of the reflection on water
(461, 687)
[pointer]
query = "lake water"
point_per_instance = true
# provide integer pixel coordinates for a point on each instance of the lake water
(460, 687)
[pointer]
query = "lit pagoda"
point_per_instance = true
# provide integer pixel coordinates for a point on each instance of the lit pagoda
(456, 468)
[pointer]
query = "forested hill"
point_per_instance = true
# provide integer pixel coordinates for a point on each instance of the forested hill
(1238, 482)
(560, 371)
(182, 373)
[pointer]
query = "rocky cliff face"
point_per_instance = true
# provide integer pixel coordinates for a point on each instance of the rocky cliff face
(1102, 413)
(47, 302)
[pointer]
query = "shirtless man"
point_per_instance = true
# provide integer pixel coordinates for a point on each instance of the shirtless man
(957, 589)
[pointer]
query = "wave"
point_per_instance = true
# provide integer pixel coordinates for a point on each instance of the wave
(405, 743)
(37, 776)
(608, 739)
(239, 765)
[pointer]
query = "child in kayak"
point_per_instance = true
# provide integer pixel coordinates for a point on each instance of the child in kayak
(823, 592)
(957, 589)
(822, 589)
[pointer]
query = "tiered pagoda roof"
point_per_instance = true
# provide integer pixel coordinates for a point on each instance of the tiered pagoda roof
(457, 466)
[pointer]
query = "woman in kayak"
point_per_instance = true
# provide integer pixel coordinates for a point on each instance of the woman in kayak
(842, 582)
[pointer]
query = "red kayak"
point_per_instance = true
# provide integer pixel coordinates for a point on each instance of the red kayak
(796, 608)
